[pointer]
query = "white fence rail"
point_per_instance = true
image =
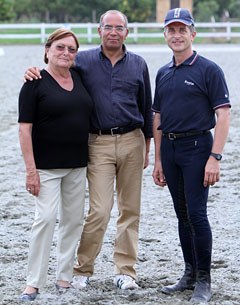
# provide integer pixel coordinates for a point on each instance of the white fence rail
(225, 30)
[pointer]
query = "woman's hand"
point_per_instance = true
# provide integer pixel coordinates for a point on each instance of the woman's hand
(33, 183)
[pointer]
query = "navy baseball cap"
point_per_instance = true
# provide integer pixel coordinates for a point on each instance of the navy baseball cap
(181, 15)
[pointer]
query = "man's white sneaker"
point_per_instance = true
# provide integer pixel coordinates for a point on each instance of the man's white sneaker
(80, 281)
(123, 281)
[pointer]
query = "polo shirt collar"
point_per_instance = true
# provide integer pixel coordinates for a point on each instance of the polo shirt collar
(188, 62)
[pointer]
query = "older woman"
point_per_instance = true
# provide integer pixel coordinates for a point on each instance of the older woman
(54, 124)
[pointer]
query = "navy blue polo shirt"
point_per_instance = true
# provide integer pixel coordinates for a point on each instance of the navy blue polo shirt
(121, 93)
(186, 96)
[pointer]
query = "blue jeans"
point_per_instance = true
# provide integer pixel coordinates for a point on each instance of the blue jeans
(183, 162)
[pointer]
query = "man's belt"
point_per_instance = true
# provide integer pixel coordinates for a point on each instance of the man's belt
(115, 130)
(174, 136)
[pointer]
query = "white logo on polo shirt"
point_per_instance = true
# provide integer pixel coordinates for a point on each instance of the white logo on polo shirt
(188, 83)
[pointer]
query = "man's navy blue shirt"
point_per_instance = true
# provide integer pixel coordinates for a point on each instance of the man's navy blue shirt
(121, 93)
(186, 96)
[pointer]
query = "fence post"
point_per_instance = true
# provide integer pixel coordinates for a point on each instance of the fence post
(43, 34)
(135, 32)
(89, 32)
(228, 32)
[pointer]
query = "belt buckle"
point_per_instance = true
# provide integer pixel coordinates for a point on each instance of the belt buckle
(171, 136)
(112, 131)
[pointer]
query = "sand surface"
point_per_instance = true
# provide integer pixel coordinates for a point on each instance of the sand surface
(160, 259)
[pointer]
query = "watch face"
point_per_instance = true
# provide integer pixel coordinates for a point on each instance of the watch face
(217, 156)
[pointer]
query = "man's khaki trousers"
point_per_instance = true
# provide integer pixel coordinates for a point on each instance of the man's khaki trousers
(113, 159)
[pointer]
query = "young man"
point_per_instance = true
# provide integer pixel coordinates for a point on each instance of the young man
(190, 92)
(121, 129)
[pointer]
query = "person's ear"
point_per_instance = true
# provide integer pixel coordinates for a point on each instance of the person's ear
(193, 35)
(126, 35)
(100, 31)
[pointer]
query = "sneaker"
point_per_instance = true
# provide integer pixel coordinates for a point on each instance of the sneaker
(123, 281)
(80, 281)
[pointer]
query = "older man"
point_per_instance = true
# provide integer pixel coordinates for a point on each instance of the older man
(118, 82)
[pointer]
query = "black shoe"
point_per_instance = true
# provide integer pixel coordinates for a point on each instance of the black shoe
(186, 282)
(202, 291)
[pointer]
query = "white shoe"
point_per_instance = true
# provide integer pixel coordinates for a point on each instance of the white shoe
(80, 281)
(123, 281)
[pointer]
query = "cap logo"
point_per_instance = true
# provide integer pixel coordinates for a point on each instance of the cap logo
(177, 12)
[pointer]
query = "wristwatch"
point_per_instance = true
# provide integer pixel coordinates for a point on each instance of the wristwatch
(216, 156)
